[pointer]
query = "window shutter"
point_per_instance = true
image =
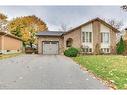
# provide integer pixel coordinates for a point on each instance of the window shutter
(83, 36)
(101, 37)
(90, 37)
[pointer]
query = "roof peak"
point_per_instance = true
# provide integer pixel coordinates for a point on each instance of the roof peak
(94, 19)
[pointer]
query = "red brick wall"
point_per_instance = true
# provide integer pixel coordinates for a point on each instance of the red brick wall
(76, 36)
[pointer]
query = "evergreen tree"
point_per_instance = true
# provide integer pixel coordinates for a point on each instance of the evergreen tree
(121, 46)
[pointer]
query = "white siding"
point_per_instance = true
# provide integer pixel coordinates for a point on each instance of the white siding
(88, 28)
(103, 28)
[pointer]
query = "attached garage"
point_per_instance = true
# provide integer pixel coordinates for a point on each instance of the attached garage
(50, 47)
(50, 42)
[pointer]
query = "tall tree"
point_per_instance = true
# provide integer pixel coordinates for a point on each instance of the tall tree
(26, 28)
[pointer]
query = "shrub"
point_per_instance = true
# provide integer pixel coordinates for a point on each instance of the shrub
(121, 46)
(71, 52)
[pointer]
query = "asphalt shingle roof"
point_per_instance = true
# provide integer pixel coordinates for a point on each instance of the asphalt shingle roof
(50, 33)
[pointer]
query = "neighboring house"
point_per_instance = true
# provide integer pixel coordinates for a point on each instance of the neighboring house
(9, 43)
(90, 35)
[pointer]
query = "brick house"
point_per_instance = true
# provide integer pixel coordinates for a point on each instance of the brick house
(9, 43)
(90, 35)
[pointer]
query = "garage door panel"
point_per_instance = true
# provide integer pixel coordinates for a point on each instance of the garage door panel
(50, 47)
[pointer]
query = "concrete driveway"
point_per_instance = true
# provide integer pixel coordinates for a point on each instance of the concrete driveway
(44, 72)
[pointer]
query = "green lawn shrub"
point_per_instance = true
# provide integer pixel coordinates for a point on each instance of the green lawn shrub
(71, 52)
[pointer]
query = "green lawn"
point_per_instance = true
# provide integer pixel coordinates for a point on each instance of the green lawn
(9, 55)
(108, 67)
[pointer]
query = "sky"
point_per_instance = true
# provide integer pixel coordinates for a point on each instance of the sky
(71, 16)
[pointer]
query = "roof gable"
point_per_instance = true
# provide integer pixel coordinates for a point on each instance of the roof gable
(90, 21)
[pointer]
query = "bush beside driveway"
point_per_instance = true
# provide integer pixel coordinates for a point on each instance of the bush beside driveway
(112, 68)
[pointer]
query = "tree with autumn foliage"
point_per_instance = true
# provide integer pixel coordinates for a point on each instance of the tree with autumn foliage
(3, 16)
(26, 28)
(3, 23)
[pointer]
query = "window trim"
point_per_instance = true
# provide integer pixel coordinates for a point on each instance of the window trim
(105, 50)
(103, 36)
(83, 36)
(87, 36)
(87, 50)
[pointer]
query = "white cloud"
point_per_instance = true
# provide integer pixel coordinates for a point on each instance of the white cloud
(54, 16)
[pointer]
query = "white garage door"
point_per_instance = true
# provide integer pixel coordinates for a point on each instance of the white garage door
(50, 47)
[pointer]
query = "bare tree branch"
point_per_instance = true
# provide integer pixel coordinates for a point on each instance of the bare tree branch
(64, 27)
(115, 23)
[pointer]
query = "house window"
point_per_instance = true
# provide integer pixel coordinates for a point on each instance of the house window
(105, 50)
(87, 50)
(87, 37)
(90, 49)
(105, 37)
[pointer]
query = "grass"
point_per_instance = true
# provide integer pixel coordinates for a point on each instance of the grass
(112, 68)
(9, 55)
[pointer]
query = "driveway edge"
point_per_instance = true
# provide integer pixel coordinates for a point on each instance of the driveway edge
(104, 82)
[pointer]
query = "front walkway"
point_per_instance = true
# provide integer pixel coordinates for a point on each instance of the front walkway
(44, 72)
